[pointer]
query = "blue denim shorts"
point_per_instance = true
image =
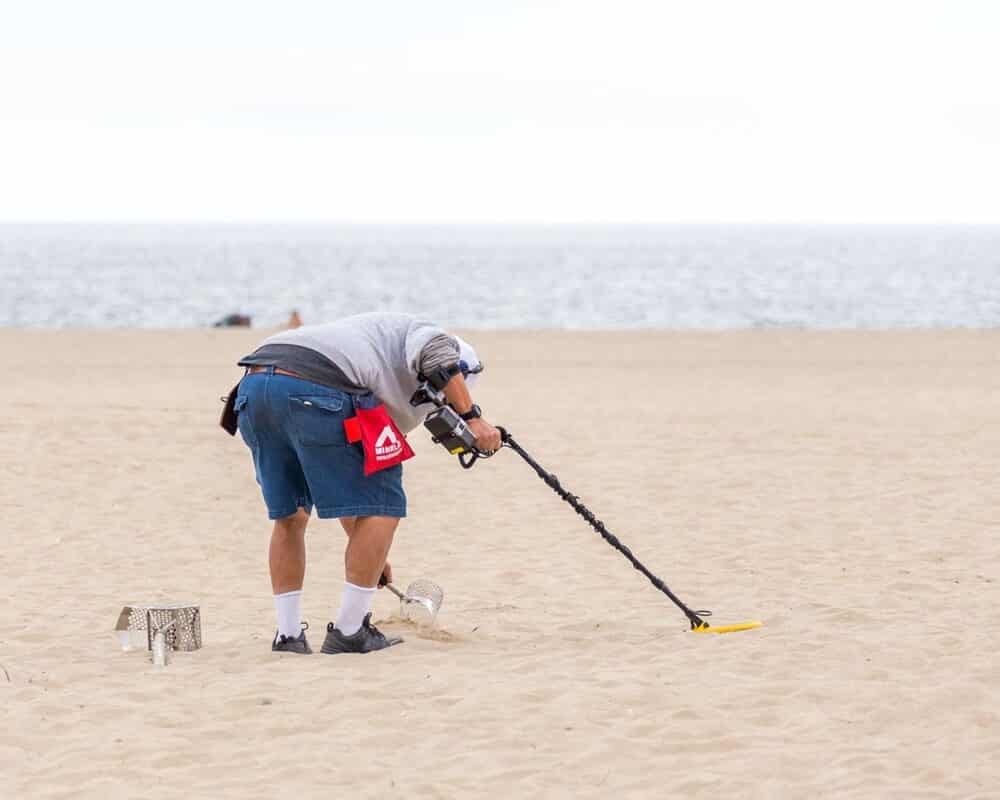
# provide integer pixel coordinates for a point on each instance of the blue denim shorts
(295, 430)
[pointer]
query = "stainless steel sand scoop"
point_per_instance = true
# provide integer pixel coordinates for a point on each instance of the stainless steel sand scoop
(420, 602)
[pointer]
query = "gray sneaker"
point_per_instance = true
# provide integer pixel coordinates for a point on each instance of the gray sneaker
(288, 644)
(367, 639)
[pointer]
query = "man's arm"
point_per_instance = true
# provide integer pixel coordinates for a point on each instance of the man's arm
(457, 393)
(441, 350)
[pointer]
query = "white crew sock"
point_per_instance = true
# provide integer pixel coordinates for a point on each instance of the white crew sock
(354, 604)
(289, 608)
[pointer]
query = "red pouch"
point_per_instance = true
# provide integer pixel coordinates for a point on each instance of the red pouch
(382, 441)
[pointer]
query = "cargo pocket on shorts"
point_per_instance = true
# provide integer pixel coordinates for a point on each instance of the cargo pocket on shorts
(318, 420)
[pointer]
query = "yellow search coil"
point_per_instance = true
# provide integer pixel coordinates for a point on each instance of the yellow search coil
(739, 626)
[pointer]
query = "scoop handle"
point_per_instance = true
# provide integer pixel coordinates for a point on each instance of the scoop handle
(383, 582)
(395, 591)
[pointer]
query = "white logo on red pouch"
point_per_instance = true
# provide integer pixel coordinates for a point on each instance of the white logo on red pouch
(387, 445)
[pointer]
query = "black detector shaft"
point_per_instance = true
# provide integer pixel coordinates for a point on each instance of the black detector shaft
(694, 617)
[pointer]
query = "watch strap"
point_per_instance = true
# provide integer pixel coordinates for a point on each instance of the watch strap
(473, 413)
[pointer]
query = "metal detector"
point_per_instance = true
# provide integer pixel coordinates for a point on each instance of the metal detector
(698, 625)
(448, 430)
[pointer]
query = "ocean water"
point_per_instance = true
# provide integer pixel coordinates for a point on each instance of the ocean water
(708, 276)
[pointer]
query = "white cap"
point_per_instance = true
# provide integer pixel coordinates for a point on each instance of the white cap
(467, 354)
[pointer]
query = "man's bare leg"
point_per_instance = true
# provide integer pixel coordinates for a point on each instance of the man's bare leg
(348, 525)
(369, 540)
(368, 543)
(287, 560)
(287, 554)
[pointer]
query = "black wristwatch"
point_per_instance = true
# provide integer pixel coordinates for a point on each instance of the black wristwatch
(473, 413)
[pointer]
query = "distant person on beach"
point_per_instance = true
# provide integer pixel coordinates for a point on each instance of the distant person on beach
(300, 387)
(294, 321)
(233, 321)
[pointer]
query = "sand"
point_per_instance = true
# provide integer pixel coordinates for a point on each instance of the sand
(839, 486)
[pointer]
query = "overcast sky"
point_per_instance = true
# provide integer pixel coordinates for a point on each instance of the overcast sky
(502, 111)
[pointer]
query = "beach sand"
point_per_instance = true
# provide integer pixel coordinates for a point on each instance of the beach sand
(839, 486)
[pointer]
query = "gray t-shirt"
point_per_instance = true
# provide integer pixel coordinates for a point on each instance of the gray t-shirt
(378, 352)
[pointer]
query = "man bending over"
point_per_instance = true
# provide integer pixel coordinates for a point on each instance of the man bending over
(300, 387)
